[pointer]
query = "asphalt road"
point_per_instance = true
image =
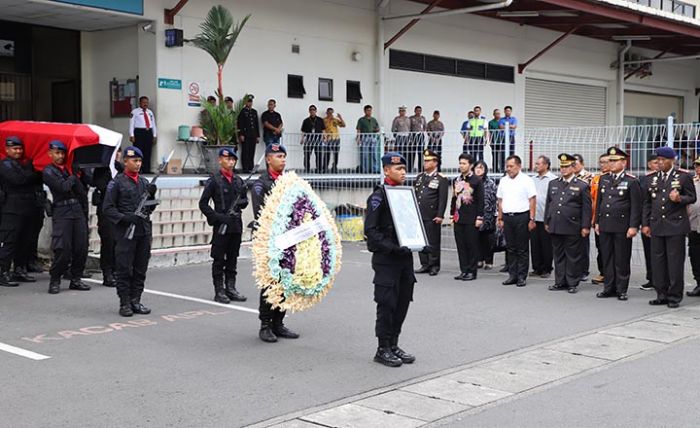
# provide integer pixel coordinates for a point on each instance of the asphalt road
(193, 364)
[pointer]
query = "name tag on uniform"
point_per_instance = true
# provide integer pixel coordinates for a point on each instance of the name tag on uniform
(434, 184)
(575, 189)
(623, 185)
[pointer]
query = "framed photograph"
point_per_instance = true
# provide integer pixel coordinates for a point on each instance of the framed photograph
(407, 221)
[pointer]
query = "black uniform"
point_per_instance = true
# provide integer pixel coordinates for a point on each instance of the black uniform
(312, 128)
(466, 207)
(585, 242)
(249, 129)
(105, 228)
(37, 224)
(131, 255)
(69, 236)
(646, 241)
(431, 192)
(669, 226)
(567, 211)
(224, 248)
(393, 269)
(618, 208)
(19, 183)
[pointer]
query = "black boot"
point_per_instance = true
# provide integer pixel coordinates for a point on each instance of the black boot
(232, 293)
(403, 355)
(55, 286)
(21, 275)
(219, 294)
(77, 284)
(34, 267)
(108, 279)
(279, 328)
(266, 334)
(138, 308)
(5, 280)
(125, 307)
(385, 356)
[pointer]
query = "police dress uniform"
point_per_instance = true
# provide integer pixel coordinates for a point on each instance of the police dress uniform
(101, 177)
(644, 182)
(585, 242)
(393, 272)
(669, 225)
(271, 319)
(249, 129)
(467, 207)
(618, 208)
(123, 196)
(431, 192)
(225, 189)
(19, 181)
(567, 212)
(69, 222)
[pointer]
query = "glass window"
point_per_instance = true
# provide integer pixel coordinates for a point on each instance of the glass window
(325, 89)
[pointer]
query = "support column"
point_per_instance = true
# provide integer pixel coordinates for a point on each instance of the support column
(621, 82)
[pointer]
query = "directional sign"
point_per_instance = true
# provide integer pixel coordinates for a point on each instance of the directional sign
(169, 83)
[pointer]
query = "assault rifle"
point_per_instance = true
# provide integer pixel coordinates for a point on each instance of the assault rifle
(142, 210)
(223, 227)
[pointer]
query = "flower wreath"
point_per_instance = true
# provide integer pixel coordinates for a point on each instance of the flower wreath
(297, 277)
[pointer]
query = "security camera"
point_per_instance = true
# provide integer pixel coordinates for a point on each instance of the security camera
(148, 28)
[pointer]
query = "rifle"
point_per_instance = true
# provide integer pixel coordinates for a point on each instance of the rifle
(145, 202)
(223, 227)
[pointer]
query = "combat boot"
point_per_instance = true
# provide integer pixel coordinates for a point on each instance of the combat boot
(54, 286)
(108, 279)
(21, 275)
(405, 357)
(138, 308)
(266, 334)
(232, 293)
(279, 328)
(385, 356)
(34, 267)
(5, 280)
(77, 284)
(219, 294)
(125, 306)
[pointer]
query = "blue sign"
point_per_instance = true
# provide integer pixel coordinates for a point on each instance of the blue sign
(169, 83)
(127, 6)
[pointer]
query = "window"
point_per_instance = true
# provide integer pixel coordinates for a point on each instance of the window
(412, 61)
(325, 89)
(295, 86)
(353, 91)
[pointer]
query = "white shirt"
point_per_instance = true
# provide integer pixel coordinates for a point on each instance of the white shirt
(542, 184)
(137, 121)
(694, 209)
(515, 193)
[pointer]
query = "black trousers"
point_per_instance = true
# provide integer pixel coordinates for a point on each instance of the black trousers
(69, 243)
(143, 139)
(132, 258)
(467, 240)
(567, 260)
(105, 229)
(432, 232)
(248, 153)
(585, 244)
(486, 241)
(313, 145)
(616, 252)
(541, 248)
(517, 237)
(268, 314)
(694, 253)
(37, 225)
(224, 251)
(599, 257)
(14, 243)
(646, 243)
(668, 259)
(333, 148)
(392, 304)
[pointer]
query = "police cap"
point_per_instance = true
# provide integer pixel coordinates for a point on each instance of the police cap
(566, 159)
(393, 158)
(13, 142)
(430, 155)
(228, 152)
(665, 152)
(133, 152)
(57, 145)
(275, 148)
(615, 153)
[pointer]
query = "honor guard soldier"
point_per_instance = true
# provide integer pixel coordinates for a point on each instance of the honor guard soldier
(392, 265)
(567, 218)
(132, 253)
(228, 192)
(271, 319)
(69, 236)
(617, 218)
(431, 191)
(467, 208)
(665, 220)
(19, 180)
(142, 131)
(694, 235)
(248, 133)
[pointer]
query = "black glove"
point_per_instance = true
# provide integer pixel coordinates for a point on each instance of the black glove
(402, 251)
(130, 218)
(152, 189)
(427, 250)
(72, 179)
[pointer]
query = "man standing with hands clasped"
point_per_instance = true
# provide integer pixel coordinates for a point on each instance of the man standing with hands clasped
(142, 132)
(617, 217)
(665, 220)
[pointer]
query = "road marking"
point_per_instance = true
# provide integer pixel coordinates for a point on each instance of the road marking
(22, 352)
(191, 299)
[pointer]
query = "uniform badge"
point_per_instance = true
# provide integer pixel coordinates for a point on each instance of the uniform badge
(676, 184)
(575, 189)
(434, 184)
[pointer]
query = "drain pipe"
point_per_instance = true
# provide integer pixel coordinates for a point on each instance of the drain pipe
(621, 82)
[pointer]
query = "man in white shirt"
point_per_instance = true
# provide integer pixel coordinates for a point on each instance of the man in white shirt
(142, 132)
(516, 196)
(540, 241)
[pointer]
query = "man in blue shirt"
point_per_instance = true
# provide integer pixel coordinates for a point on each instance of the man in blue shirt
(513, 125)
(466, 128)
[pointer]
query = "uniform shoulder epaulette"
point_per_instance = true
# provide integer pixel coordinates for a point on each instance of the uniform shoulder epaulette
(630, 175)
(683, 170)
(442, 175)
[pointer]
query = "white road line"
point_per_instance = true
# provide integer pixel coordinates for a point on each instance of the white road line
(22, 352)
(191, 299)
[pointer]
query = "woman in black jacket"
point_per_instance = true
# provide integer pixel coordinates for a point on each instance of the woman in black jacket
(488, 226)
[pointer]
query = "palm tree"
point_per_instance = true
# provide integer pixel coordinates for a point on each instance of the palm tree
(218, 36)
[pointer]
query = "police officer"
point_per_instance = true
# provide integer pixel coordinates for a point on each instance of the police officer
(226, 189)
(665, 220)
(19, 180)
(582, 174)
(392, 265)
(121, 200)
(69, 237)
(248, 133)
(467, 208)
(271, 319)
(652, 169)
(567, 218)
(431, 191)
(617, 218)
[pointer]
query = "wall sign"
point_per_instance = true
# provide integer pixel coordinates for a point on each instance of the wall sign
(164, 83)
(194, 95)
